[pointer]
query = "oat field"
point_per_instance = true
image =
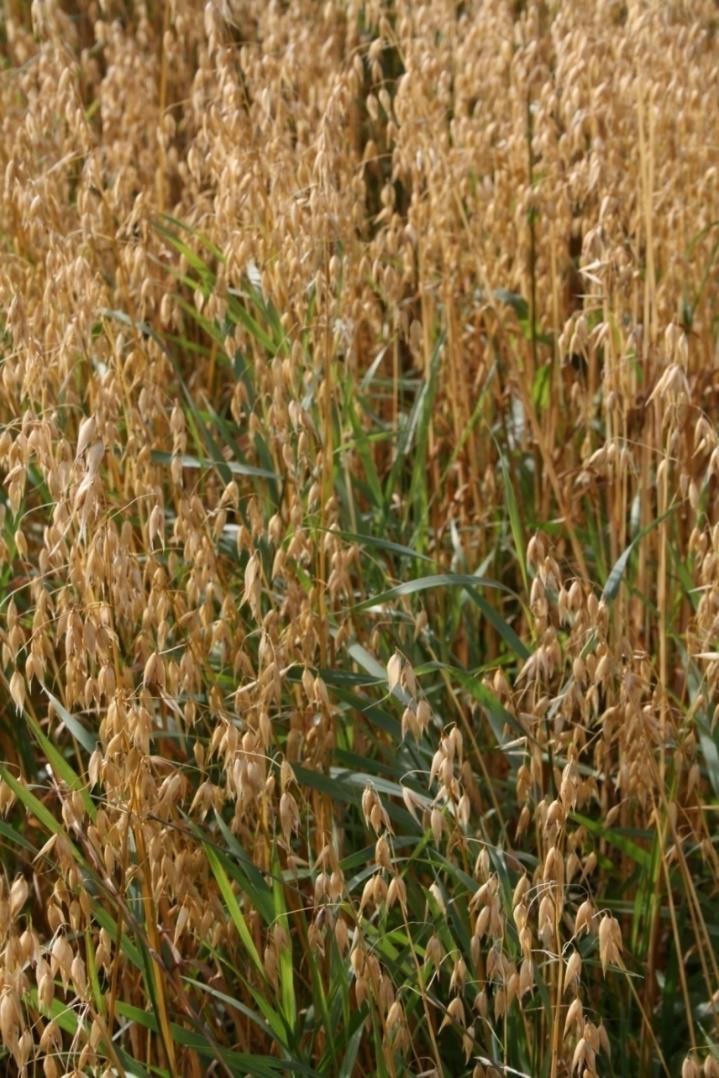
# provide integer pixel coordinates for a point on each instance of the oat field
(359, 538)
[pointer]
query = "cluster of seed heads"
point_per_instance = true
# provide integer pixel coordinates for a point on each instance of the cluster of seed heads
(539, 182)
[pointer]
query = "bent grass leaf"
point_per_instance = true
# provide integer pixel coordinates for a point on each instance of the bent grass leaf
(75, 727)
(615, 838)
(200, 463)
(614, 580)
(38, 810)
(233, 908)
(61, 767)
(234, 1004)
(427, 583)
(238, 1062)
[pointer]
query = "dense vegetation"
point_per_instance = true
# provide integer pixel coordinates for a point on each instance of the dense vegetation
(359, 538)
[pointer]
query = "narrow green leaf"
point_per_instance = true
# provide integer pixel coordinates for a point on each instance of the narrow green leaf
(710, 751)
(36, 807)
(350, 1057)
(513, 299)
(240, 1063)
(515, 522)
(286, 969)
(233, 908)
(418, 499)
(234, 466)
(190, 256)
(425, 583)
(61, 766)
(245, 873)
(615, 838)
(129, 949)
(193, 232)
(498, 715)
(78, 731)
(237, 312)
(211, 328)
(12, 835)
(382, 544)
(502, 627)
(614, 580)
(233, 1003)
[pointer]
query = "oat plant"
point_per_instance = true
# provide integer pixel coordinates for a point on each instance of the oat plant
(359, 538)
